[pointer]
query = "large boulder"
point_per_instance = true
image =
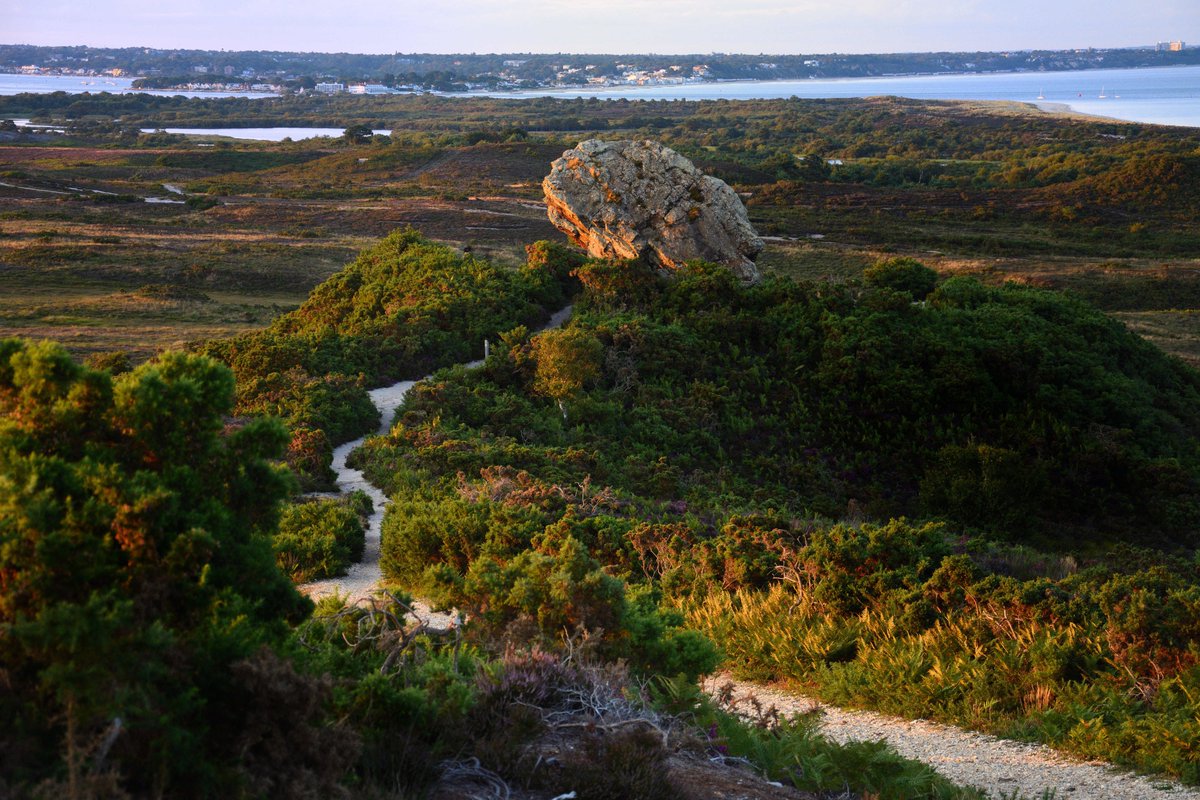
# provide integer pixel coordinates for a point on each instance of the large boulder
(642, 200)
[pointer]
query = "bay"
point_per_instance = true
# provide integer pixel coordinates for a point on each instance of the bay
(1162, 95)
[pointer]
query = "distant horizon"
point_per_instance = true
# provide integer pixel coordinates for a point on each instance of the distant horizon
(660, 27)
(1141, 46)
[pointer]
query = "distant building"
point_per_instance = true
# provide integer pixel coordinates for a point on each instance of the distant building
(200, 70)
(515, 62)
(1170, 47)
(367, 88)
(330, 88)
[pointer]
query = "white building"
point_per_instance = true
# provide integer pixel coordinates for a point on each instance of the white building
(369, 88)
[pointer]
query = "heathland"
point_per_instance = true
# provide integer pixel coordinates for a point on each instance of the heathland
(943, 461)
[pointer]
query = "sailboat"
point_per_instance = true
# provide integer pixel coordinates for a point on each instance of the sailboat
(1041, 94)
(1102, 94)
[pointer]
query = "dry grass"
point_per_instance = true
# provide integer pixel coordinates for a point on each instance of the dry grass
(71, 270)
(1175, 331)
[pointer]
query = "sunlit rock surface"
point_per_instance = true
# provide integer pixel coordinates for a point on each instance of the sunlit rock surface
(639, 199)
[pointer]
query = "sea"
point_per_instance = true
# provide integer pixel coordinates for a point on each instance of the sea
(1159, 95)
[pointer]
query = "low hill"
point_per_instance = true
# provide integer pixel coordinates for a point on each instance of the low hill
(1015, 410)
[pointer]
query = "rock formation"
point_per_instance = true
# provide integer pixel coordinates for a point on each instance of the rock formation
(643, 200)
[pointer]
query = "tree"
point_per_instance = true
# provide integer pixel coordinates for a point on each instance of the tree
(135, 567)
(565, 360)
(358, 134)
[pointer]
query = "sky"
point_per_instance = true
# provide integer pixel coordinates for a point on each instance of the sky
(602, 26)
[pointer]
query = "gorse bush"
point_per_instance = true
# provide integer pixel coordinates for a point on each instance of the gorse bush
(321, 538)
(528, 557)
(140, 600)
(1104, 665)
(902, 275)
(406, 700)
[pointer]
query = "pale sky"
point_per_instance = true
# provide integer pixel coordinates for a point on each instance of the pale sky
(601, 26)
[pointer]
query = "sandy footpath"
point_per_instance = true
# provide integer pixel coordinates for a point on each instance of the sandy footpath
(999, 766)
(364, 577)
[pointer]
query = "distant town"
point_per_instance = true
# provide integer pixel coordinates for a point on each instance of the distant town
(332, 73)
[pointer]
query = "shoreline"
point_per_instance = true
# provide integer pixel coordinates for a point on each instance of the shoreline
(1164, 98)
(715, 81)
(815, 79)
(1151, 101)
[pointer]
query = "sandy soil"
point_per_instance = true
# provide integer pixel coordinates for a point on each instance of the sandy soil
(998, 766)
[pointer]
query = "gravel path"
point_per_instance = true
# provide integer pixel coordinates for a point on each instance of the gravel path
(364, 577)
(999, 766)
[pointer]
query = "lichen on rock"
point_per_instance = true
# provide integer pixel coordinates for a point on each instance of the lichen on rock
(639, 199)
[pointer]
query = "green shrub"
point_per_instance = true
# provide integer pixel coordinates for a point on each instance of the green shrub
(902, 275)
(139, 583)
(319, 539)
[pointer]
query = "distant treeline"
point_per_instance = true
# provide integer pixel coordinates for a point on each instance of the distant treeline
(419, 68)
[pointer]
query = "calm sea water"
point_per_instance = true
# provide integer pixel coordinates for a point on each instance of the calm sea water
(1163, 95)
(75, 84)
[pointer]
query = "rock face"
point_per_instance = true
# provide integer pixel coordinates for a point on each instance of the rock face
(643, 200)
